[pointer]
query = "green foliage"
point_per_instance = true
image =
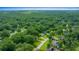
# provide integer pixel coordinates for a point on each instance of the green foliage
(32, 31)
(29, 39)
(5, 33)
(7, 45)
(22, 29)
(21, 38)
(18, 38)
(24, 47)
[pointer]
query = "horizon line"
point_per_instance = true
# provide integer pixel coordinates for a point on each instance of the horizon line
(39, 8)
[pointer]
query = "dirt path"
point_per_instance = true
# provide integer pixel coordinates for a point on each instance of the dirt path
(22, 30)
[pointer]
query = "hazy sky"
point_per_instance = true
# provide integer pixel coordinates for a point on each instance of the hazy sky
(39, 3)
(39, 8)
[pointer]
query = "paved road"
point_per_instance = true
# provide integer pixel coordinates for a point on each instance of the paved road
(41, 44)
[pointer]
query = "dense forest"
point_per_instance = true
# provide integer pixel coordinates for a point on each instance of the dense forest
(39, 30)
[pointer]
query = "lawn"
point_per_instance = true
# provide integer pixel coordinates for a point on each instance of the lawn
(44, 47)
(36, 43)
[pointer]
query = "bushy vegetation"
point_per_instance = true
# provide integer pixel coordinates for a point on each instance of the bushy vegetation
(23, 31)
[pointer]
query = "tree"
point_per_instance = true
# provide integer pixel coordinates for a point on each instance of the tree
(5, 33)
(7, 45)
(32, 31)
(24, 47)
(18, 38)
(29, 39)
(21, 38)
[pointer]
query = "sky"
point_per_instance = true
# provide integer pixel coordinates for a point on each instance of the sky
(39, 3)
(29, 4)
(39, 8)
